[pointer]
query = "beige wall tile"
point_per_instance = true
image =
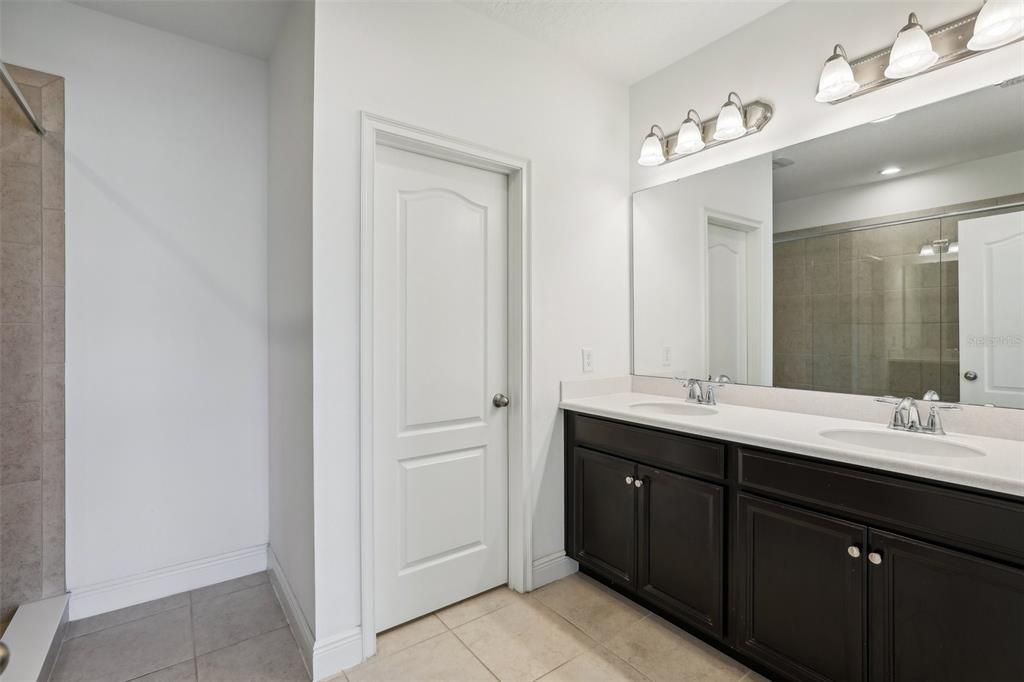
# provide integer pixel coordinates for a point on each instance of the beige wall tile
(20, 282)
(29, 77)
(53, 402)
(20, 521)
(19, 141)
(53, 171)
(53, 324)
(20, 363)
(53, 518)
(792, 324)
(53, 248)
(53, 106)
(21, 200)
(21, 447)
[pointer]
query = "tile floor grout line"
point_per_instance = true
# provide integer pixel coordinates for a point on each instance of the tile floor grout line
(192, 632)
(473, 653)
(126, 622)
(262, 634)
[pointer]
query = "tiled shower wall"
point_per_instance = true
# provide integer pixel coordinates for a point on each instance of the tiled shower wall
(31, 343)
(864, 312)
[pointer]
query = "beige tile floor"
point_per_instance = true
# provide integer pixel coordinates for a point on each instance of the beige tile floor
(572, 629)
(231, 631)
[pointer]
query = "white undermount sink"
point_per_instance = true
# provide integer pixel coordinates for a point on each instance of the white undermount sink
(673, 408)
(904, 443)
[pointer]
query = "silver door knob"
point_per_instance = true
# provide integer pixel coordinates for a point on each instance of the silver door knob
(500, 400)
(854, 551)
(638, 483)
(5, 656)
(875, 558)
(629, 480)
(971, 375)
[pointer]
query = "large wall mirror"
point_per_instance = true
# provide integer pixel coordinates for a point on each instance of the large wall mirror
(886, 259)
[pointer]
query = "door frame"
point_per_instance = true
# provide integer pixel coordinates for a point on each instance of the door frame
(377, 130)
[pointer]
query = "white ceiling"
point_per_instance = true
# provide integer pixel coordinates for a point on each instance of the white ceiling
(626, 40)
(246, 26)
(977, 125)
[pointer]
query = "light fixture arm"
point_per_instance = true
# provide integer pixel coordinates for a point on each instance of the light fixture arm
(693, 116)
(743, 109)
(837, 52)
(659, 132)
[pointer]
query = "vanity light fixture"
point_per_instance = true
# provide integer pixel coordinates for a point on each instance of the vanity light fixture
(690, 137)
(890, 170)
(912, 52)
(918, 50)
(652, 151)
(836, 81)
(735, 120)
(999, 22)
(731, 122)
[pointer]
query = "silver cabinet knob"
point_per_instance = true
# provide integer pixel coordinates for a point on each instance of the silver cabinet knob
(971, 375)
(500, 400)
(629, 480)
(638, 483)
(875, 558)
(854, 551)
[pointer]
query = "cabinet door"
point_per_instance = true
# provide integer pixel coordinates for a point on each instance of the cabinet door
(936, 614)
(605, 514)
(679, 562)
(800, 590)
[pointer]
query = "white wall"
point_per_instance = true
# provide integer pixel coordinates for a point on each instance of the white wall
(290, 304)
(995, 176)
(166, 290)
(448, 69)
(779, 57)
(670, 273)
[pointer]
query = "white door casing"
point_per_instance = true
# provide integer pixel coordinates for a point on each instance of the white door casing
(991, 291)
(440, 348)
(727, 302)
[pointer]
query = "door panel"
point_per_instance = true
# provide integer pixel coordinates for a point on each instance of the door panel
(680, 558)
(440, 353)
(943, 616)
(800, 593)
(727, 302)
(992, 309)
(605, 517)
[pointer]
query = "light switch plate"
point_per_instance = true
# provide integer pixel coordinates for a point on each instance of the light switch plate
(588, 359)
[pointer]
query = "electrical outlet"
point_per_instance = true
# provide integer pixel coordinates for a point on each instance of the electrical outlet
(666, 356)
(588, 359)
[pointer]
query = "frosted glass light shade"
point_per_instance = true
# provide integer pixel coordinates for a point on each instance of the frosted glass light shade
(730, 125)
(690, 138)
(652, 151)
(912, 52)
(999, 22)
(836, 81)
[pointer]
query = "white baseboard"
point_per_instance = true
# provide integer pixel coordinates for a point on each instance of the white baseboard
(552, 567)
(111, 595)
(323, 657)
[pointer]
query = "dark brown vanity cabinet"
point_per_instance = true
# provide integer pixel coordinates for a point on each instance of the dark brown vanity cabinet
(653, 532)
(802, 568)
(800, 590)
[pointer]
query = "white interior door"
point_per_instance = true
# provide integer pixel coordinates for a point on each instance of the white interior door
(991, 293)
(440, 356)
(727, 302)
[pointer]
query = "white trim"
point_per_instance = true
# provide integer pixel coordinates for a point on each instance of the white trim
(111, 595)
(325, 657)
(297, 622)
(552, 567)
(34, 637)
(377, 130)
(340, 652)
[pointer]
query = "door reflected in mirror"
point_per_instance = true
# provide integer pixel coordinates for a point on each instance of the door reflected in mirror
(886, 259)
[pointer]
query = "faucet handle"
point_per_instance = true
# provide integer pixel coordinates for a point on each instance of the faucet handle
(934, 424)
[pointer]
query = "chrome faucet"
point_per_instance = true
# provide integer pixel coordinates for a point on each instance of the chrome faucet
(906, 416)
(700, 392)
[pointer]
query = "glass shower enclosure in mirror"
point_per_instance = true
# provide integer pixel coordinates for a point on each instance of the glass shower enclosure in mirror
(886, 259)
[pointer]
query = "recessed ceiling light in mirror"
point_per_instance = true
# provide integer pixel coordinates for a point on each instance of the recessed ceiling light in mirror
(884, 118)
(890, 170)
